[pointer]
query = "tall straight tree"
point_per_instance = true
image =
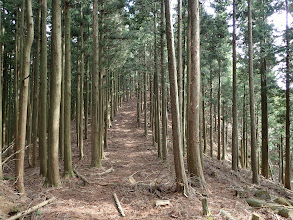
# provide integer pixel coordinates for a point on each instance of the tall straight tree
(145, 95)
(53, 175)
(68, 172)
(163, 82)
(181, 178)
(81, 86)
(20, 147)
(234, 105)
(264, 104)
(194, 163)
(101, 80)
(254, 166)
(1, 86)
(96, 153)
(43, 94)
(288, 166)
(219, 110)
(16, 77)
(36, 87)
(156, 88)
(179, 60)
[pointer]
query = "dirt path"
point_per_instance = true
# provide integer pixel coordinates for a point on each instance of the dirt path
(130, 153)
(132, 158)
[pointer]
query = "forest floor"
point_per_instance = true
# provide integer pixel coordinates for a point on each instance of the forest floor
(132, 170)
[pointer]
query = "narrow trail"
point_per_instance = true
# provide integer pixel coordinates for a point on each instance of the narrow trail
(129, 153)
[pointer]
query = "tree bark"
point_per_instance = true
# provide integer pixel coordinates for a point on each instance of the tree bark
(86, 101)
(36, 88)
(181, 178)
(288, 166)
(101, 82)
(96, 154)
(163, 84)
(156, 89)
(53, 176)
(145, 96)
(179, 62)
(1, 88)
(68, 171)
(211, 114)
(255, 178)
(223, 132)
(43, 94)
(204, 121)
(194, 163)
(20, 148)
(234, 105)
(81, 110)
(219, 111)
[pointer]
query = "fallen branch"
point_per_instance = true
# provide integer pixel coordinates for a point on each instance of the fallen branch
(32, 209)
(80, 176)
(118, 205)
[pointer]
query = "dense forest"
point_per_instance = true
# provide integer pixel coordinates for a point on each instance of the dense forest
(184, 102)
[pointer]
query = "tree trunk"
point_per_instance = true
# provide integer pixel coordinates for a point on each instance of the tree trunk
(53, 176)
(234, 105)
(68, 171)
(36, 89)
(1, 87)
(81, 110)
(179, 62)
(244, 127)
(61, 130)
(101, 83)
(288, 166)
(96, 156)
(138, 109)
(145, 96)
(156, 89)
(219, 112)
(181, 178)
(211, 114)
(194, 163)
(20, 148)
(264, 121)
(264, 105)
(223, 133)
(282, 159)
(163, 84)
(43, 94)
(204, 122)
(252, 102)
(86, 101)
